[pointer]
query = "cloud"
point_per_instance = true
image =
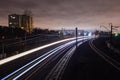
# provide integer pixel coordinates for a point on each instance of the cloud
(65, 12)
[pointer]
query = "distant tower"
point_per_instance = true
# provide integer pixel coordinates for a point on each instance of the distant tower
(24, 21)
(27, 21)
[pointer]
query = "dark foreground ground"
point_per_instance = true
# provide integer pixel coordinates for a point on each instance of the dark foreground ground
(88, 65)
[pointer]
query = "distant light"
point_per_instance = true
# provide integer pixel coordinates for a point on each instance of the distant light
(3, 37)
(23, 44)
(116, 34)
(79, 33)
(85, 33)
(90, 34)
(22, 27)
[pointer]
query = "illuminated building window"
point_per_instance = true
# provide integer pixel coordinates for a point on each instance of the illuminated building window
(13, 17)
(22, 27)
(10, 23)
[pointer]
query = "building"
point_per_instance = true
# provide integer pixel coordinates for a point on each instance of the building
(14, 20)
(24, 22)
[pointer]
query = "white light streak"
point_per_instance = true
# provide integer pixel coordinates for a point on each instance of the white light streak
(41, 58)
(6, 60)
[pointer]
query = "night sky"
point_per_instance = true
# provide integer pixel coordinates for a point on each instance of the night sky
(68, 14)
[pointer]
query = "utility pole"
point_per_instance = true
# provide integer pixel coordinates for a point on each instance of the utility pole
(3, 47)
(76, 30)
(83, 36)
(25, 41)
(111, 31)
(3, 44)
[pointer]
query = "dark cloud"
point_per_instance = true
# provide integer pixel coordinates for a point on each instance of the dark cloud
(65, 12)
(18, 4)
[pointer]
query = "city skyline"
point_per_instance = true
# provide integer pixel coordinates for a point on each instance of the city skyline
(68, 14)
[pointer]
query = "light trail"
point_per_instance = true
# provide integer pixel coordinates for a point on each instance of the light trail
(34, 63)
(29, 63)
(59, 68)
(31, 51)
